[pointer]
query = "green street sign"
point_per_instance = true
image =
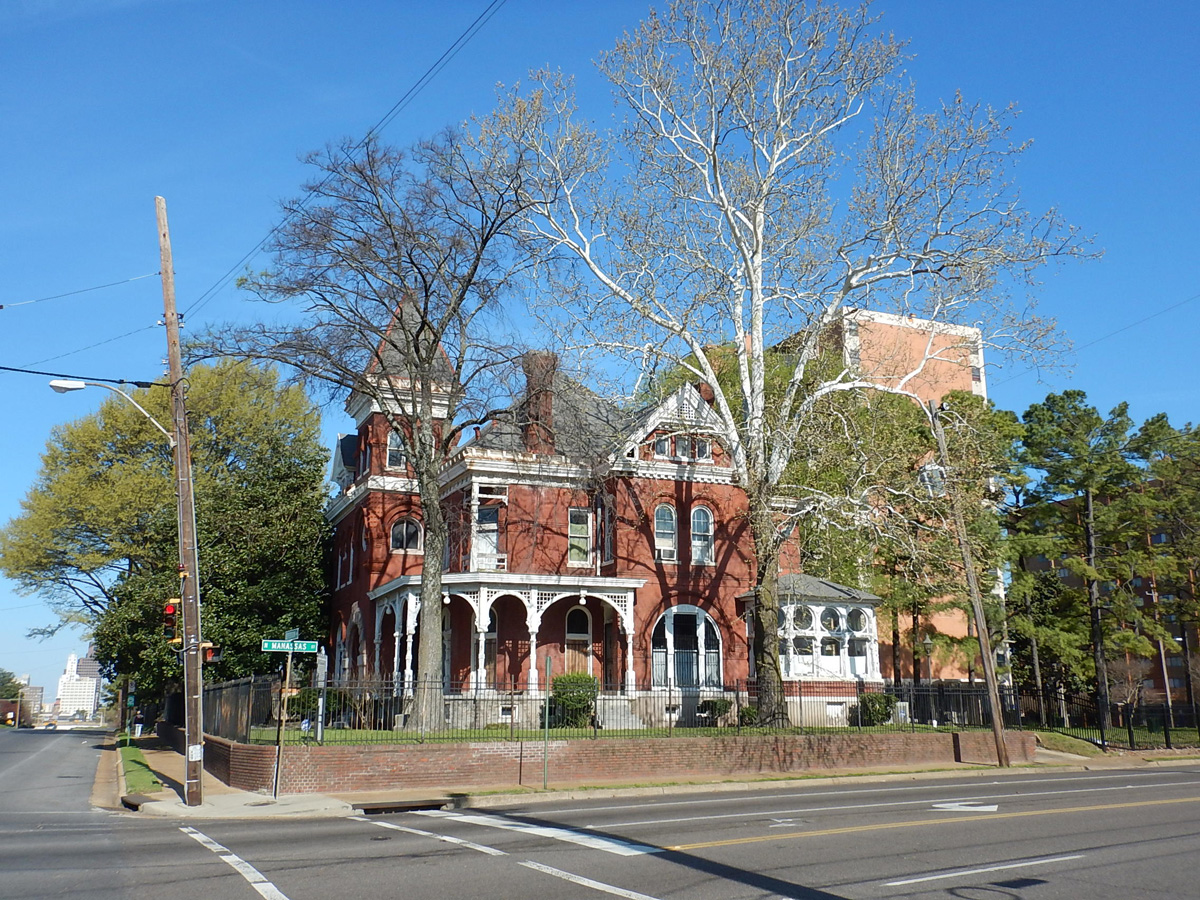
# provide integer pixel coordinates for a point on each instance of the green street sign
(289, 646)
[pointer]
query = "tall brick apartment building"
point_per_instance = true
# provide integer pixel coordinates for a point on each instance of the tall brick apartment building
(613, 542)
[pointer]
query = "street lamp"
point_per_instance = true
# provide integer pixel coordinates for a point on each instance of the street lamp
(189, 578)
(66, 385)
(927, 643)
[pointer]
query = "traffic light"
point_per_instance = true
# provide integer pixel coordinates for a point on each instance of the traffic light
(170, 619)
(209, 653)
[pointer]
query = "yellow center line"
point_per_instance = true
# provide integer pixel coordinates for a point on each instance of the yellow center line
(949, 820)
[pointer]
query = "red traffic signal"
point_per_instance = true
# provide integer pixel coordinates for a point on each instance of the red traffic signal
(170, 619)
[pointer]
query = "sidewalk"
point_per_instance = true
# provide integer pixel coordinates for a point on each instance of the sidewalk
(220, 801)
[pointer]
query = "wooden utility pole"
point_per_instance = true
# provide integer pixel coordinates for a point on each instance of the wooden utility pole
(189, 572)
(981, 628)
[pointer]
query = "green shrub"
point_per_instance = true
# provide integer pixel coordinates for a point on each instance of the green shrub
(573, 696)
(715, 708)
(873, 709)
(748, 715)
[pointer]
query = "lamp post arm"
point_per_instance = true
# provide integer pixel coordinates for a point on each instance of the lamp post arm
(153, 421)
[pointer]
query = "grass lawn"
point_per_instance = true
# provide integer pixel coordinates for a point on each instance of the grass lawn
(139, 777)
(1052, 740)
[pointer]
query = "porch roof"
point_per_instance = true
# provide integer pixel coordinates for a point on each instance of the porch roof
(472, 581)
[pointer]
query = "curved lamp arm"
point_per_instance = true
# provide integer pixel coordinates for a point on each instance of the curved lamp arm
(65, 386)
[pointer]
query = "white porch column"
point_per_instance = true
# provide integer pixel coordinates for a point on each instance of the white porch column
(479, 670)
(627, 627)
(375, 637)
(396, 635)
(412, 606)
(533, 622)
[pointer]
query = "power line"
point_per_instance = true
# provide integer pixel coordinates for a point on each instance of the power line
(80, 291)
(1105, 337)
(421, 83)
(141, 384)
(38, 362)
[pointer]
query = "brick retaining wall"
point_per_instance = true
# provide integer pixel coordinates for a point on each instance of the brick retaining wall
(331, 769)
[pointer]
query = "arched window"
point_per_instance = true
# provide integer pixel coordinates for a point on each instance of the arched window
(406, 535)
(702, 535)
(857, 619)
(664, 533)
(397, 456)
(831, 619)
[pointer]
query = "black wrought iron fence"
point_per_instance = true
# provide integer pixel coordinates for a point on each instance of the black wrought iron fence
(385, 710)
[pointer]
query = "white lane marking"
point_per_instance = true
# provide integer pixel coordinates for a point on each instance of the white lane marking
(586, 882)
(608, 845)
(255, 878)
(762, 796)
(962, 872)
(885, 805)
(482, 848)
(967, 807)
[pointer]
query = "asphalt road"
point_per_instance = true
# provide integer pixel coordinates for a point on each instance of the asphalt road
(1033, 835)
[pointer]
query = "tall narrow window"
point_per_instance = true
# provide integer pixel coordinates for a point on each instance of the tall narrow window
(397, 456)
(664, 533)
(406, 535)
(702, 535)
(608, 533)
(486, 546)
(579, 536)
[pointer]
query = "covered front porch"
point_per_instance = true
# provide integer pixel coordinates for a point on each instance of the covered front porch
(499, 629)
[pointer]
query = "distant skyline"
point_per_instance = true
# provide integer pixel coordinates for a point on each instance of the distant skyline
(106, 103)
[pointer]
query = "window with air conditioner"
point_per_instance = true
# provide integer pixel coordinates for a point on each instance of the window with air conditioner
(664, 533)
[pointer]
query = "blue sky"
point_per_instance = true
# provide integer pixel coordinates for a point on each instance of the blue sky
(106, 103)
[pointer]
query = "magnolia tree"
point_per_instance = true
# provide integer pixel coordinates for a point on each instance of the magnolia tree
(394, 264)
(772, 173)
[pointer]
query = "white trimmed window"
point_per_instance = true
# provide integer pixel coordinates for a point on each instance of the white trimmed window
(397, 455)
(662, 445)
(664, 533)
(406, 536)
(702, 536)
(579, 536)
(703, 448)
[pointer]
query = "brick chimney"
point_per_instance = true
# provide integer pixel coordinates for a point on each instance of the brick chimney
(539, 366)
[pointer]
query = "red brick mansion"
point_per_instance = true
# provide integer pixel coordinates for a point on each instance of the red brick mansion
(611, 542)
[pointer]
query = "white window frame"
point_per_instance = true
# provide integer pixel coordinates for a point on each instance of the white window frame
(662, 446)
(395, 444)
(572, 535)
(420, 548)
(703, 449)
(664, 550)
(709, 557)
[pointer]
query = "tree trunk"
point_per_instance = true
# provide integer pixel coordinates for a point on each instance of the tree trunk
(429, 695)
(1037, 679)
(772, 705)
(916, 640)
(1093, 587)
(896, 649)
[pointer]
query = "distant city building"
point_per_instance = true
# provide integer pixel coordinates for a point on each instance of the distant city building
(79, 687)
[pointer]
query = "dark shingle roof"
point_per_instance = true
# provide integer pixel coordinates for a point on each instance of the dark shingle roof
(585, 426)
(809, 587)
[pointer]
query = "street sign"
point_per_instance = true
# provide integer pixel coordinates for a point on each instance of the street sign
(289, 646)
(292, 634)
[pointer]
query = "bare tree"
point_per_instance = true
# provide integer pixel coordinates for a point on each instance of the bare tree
(1126, 675)
(737, 213)
(395, 263)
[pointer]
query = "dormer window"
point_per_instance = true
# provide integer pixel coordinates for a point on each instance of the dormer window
(662, 445)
